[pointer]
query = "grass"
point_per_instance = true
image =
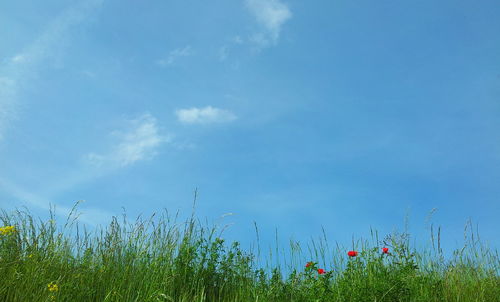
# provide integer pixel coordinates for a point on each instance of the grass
(165, 261)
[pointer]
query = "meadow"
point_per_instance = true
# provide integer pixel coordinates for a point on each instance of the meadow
(161, 260)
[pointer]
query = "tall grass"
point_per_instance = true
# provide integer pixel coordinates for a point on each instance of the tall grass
(161, 260)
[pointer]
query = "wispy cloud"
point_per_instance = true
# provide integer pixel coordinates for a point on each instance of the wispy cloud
(271, 15)
(18, 58)
(175, 54)
(7, 103)
(91, 216)
(229, 47)
(223, 53)
(237, 40)
(56, 34)
(140, 142)
(137, 141)
(16, 72)
(88, 73)
(205, 115)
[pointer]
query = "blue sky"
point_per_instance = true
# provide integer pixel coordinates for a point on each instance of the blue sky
(297, 115)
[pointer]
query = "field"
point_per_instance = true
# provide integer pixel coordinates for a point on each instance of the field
(160, 260)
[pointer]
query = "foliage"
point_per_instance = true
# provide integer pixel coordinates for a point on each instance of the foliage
(149, 261)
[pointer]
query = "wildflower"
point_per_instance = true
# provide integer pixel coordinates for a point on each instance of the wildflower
(352, 253)
(309, 264)
(7, 230)
(321, 271)
(53, 287)
(385, 250)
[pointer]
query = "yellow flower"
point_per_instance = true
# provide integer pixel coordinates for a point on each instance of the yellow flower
(53, 287)
(7, 230)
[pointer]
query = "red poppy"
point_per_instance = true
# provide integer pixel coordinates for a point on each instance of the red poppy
(385, 250)
(321, 271)
(308, 264)
(352, 253)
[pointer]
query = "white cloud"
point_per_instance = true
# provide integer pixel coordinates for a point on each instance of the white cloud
(204, 115)
(270, 14)
(176, 54)
(140, 142)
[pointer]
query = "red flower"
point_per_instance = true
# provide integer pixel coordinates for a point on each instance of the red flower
(385, 250)
(308, 264)
(321, 271)
(352, 253)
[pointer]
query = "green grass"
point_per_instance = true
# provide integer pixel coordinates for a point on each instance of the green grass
(160, 260)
